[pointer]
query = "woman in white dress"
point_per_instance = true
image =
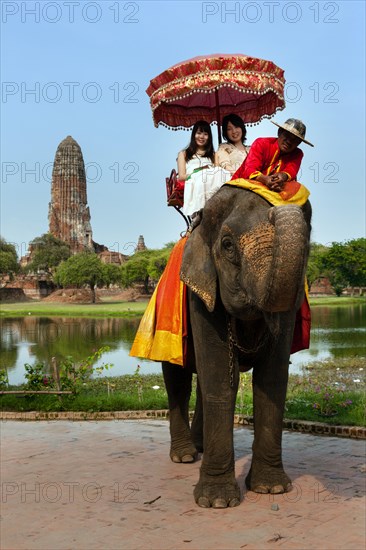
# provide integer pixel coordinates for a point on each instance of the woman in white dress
(232, 154)
(196, 166)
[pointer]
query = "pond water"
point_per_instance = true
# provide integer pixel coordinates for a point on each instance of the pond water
(336, 332)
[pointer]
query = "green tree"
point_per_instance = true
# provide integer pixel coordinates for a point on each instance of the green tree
(345, 264)
(135, 270)
(80, 270)
(315, 267)
(8, 258)
(146, 266)
(47, 253)
(111, 274)
(158, 261)
(355, 266)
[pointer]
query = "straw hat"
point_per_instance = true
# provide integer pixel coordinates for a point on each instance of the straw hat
(295, 127)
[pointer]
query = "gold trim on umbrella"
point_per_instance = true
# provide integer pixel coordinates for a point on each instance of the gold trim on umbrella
(251, 87)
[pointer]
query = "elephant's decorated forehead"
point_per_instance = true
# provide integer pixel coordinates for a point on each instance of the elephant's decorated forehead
(257, 247)
(263, 232)
(292, 193)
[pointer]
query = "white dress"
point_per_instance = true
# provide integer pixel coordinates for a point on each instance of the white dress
(202, 184)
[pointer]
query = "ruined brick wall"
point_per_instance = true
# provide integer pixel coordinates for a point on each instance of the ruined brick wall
(25, 286)
(321, 287)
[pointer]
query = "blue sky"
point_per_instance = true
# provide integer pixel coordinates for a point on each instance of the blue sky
(89, 64)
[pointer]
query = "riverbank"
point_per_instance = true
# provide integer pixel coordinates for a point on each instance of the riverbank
(107, 308)
(53, 309)
(330, 392)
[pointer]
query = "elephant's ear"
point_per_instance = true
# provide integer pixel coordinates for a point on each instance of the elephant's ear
(198, 271)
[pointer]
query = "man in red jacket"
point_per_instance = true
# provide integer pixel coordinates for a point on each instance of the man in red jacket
(273, 161)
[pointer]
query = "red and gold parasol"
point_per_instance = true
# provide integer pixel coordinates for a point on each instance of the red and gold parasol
(210, 87)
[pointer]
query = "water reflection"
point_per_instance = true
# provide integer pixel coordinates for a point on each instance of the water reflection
(336, 332)
(38, 339)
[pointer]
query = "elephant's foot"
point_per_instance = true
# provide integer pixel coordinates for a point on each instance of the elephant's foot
(267, 479)
(186, 453)
(197, 437)
(217, 491)
(199, 446)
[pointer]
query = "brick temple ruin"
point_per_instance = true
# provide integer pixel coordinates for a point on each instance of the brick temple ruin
(69, 214)
(69, 220)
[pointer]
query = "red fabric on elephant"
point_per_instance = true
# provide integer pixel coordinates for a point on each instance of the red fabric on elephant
(301, 339)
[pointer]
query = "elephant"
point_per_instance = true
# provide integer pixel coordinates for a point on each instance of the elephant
(244, 266)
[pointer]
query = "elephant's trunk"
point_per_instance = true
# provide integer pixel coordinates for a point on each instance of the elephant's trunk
(284, 284)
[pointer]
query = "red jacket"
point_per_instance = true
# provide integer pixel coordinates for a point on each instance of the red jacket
(265, 158)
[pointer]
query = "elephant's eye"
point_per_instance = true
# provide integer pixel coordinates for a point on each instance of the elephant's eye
(228, 245)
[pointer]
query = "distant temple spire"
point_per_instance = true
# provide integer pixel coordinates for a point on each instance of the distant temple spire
(140, 244)
(69, 215)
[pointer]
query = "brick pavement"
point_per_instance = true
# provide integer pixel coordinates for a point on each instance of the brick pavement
(111, 485)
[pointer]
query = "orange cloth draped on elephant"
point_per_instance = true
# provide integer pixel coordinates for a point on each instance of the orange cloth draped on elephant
(162, 333)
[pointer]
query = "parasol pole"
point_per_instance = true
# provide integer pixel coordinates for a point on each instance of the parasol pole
(218, 118)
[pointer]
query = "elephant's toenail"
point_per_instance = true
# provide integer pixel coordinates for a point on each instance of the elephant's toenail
(234, 502)
(203, 502)
(219, 503)
(262, 489)
(175, 458)
(277, 490)
(188, 458)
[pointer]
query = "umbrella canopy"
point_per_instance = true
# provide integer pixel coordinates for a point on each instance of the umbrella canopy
(210, 87)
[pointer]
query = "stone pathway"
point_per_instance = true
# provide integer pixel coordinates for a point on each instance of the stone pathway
(111, 485)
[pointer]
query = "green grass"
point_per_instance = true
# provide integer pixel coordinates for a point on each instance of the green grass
(110, 308)
(331, 391)
(336, 300)
(341, 382)
(301, 409)
(126, 393)
(48, 309)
